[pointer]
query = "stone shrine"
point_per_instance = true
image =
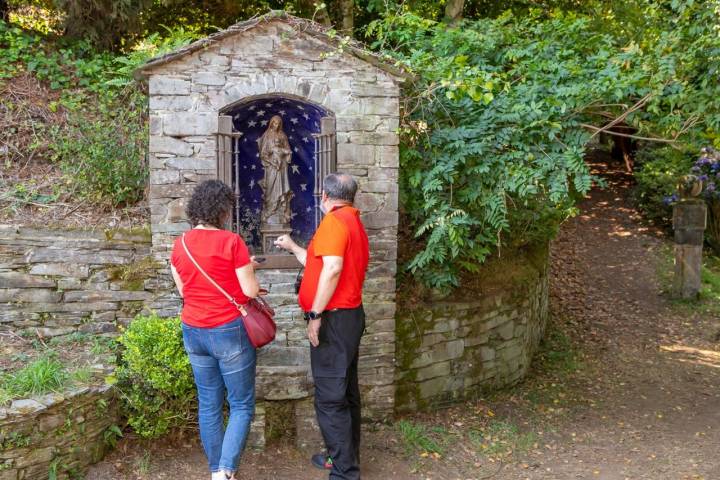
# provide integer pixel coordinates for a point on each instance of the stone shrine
(270, 106)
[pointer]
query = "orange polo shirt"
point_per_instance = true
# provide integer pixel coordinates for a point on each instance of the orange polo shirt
(340, 234)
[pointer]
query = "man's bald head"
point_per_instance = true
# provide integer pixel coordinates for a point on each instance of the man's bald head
(340, 186)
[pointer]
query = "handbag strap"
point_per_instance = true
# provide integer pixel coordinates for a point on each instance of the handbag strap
(240, 308)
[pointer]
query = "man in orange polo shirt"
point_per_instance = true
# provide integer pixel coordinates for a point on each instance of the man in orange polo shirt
(331, 297)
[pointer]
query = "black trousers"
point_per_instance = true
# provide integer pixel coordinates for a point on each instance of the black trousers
(337, 395)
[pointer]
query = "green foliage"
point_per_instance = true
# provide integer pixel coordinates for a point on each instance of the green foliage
(657, 177)
(101, 148)
(502, 438)
(709, 301)
(493, 136)
(417, 437)
(501, 110)
(43, 375)
(13, 440)
(62, 65)
(103, 22)
(112, 435)
(100, 143)
(103, 159)
(154, 376)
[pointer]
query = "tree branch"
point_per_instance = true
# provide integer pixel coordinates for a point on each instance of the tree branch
(622, 117)
(618, 134)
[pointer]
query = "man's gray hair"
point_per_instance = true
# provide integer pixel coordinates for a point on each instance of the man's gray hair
(340, 186)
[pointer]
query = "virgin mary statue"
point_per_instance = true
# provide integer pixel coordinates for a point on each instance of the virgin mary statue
(275, 156)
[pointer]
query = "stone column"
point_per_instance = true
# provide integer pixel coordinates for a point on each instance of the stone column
(689, 222)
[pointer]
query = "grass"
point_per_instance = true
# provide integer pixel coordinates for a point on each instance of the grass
(43, 375)
(98, 345)
(142, 464)
(557, 353)
(81, 375)
(708, 301)
(417, 438)
(710, 277)
(279, 423)
(502, 438)
(557, 364)
(103, 345)
(71, 338)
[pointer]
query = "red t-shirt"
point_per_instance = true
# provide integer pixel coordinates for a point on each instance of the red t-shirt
(340, 234)
(219, 253)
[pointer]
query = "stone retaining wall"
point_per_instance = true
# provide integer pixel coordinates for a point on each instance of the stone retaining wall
(451, 349)
(60, 433)
(62, 281)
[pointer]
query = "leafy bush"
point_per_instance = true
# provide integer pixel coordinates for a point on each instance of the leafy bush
(657, 177)
(103, 159)
(97, 130)
(62, 66)
(492, 149)
(500, 111)
(154, 376)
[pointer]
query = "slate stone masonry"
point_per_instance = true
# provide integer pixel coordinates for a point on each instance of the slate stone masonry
(452, 349)
(59, 433)
(63, 281)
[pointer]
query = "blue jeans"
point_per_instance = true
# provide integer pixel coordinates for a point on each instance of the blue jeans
(222, 358)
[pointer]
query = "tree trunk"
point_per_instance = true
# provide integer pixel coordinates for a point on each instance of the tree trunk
(347, 10)
(321, 16)
(4, 9)
(454, 11)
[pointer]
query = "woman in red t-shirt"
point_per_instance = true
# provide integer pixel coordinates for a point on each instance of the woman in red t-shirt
(221, 355)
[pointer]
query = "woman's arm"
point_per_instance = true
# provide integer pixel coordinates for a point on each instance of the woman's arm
(178, 281)
(248, 282)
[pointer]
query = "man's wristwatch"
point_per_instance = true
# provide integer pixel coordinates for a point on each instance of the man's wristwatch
(312, 315)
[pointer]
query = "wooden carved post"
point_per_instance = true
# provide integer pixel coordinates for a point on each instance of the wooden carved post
(689, 223)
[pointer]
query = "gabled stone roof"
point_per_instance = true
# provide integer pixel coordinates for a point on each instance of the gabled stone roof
(300, 24)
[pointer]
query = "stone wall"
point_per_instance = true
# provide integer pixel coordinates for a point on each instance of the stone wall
(453, 348)
(60, 433)
(62, 281)
(276, 58)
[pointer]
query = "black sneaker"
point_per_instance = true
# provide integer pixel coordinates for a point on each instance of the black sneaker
(321, 461)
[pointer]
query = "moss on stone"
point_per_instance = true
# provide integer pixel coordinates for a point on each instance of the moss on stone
(131, 308)
(132, 276)
(13, 440)
(135, 233)
(410, 330)
(502, 286)
(279, 421)
(503, 272)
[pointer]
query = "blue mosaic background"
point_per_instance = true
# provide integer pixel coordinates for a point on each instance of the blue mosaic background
(300, 121)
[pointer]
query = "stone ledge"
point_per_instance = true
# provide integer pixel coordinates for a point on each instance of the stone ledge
(450, 349)
(66, 430)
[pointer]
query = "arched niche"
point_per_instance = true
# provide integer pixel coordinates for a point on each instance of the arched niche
(310, 130)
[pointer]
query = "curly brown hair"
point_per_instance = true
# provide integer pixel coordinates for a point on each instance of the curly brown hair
(211, 204)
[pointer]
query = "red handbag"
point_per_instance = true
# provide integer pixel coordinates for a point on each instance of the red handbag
(257, 315)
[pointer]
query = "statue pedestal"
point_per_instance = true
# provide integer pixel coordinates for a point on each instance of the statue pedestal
(689, 222)
(269, 234)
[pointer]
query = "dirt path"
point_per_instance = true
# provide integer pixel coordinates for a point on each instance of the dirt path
(636, 397)
(652, 368)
